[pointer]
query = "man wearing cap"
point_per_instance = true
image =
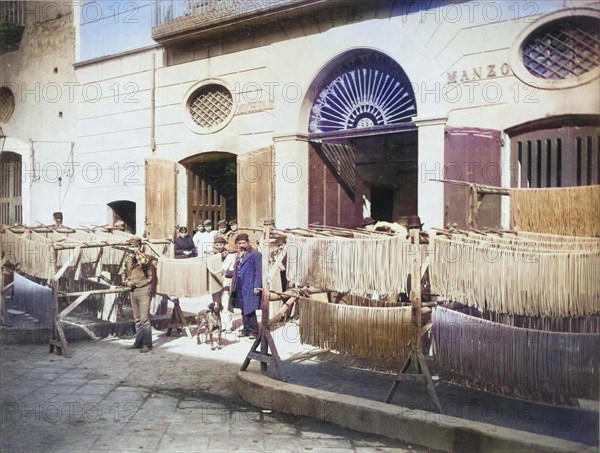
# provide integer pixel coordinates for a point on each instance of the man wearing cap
(231, 235)
(222, 297)
(246, 283)
(137, 273)
(367, 223)
(58, 219)
(204, 241)
(414, 221)
(221, 229)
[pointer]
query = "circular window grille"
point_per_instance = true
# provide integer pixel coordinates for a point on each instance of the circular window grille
(211, 105)
(563, 49)
(7, 104)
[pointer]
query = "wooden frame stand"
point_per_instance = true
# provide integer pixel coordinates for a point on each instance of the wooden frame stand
(177, 320)
(416, 357)
(264, 338)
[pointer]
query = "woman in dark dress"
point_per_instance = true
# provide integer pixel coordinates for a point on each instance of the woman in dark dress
(184, 245)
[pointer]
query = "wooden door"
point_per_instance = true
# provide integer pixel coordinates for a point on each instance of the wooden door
(205, 201)
(334, 196)
(161, 198)
(256, 194)
(11, 203)
(471, 155)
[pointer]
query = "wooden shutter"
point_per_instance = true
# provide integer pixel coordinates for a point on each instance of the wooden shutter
(161, 198)
(559, 157)
(333, 189)
(255, 187)
(471, 155)
(11, 203)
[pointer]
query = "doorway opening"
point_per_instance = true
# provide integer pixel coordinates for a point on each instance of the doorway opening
(124, 210)
(211, 188)
(370, 176)
(363, 155)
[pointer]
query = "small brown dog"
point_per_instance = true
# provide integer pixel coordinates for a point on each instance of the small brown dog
(209, 322)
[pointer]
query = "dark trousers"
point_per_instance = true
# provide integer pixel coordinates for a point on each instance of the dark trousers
(250, 323)
(140, 305)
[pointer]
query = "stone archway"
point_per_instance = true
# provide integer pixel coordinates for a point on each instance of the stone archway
(363, 141)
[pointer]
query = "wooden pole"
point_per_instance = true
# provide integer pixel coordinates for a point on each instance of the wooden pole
(266, 299)
(96, 291)
(416, 357)
(415, 292)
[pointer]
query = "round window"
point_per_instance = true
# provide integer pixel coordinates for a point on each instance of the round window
(562, 50)
(210, 106)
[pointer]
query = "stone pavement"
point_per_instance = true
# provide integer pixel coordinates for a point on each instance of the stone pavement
(334, 373)
(180, 397)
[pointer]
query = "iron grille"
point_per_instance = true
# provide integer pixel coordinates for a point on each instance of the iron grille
(7, 104)
(563, 49)
(211, 105)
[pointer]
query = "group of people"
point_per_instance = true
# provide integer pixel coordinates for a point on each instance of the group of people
(203, 241)
(241, 272)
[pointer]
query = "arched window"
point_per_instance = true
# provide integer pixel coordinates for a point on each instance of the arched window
(370, 90)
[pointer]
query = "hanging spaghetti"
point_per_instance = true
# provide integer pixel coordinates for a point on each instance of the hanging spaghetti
(191, 277)
(372, 332)
(531, 363)
(34, 256)
(524, 278)
(572, 211)
(363, 266)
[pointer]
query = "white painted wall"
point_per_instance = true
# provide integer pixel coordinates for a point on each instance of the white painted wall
(111, 116)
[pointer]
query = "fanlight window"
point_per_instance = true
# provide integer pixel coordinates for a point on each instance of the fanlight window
(369, 91)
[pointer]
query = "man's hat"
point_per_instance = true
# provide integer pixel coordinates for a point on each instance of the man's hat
(207, 222)
(242, 237)
(413, 221)
(58, 215)
(367, 221)
(220, 240)
(135, 240)
(221, 223)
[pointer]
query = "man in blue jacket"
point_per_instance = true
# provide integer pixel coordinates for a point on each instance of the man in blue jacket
(246, 284)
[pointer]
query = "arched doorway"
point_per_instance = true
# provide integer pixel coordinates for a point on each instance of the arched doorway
(124, 210)
(363, 153)
(211, 187)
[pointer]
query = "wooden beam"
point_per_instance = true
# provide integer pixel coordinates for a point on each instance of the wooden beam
(96, 291)
(282, 310)
(73, 306)
(67, 263)
(276, 265)
(84, 328)
(7, 287)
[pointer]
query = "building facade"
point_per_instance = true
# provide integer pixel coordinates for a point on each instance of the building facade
(308, 111)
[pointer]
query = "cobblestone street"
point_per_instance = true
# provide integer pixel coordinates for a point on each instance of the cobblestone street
(176, 398)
